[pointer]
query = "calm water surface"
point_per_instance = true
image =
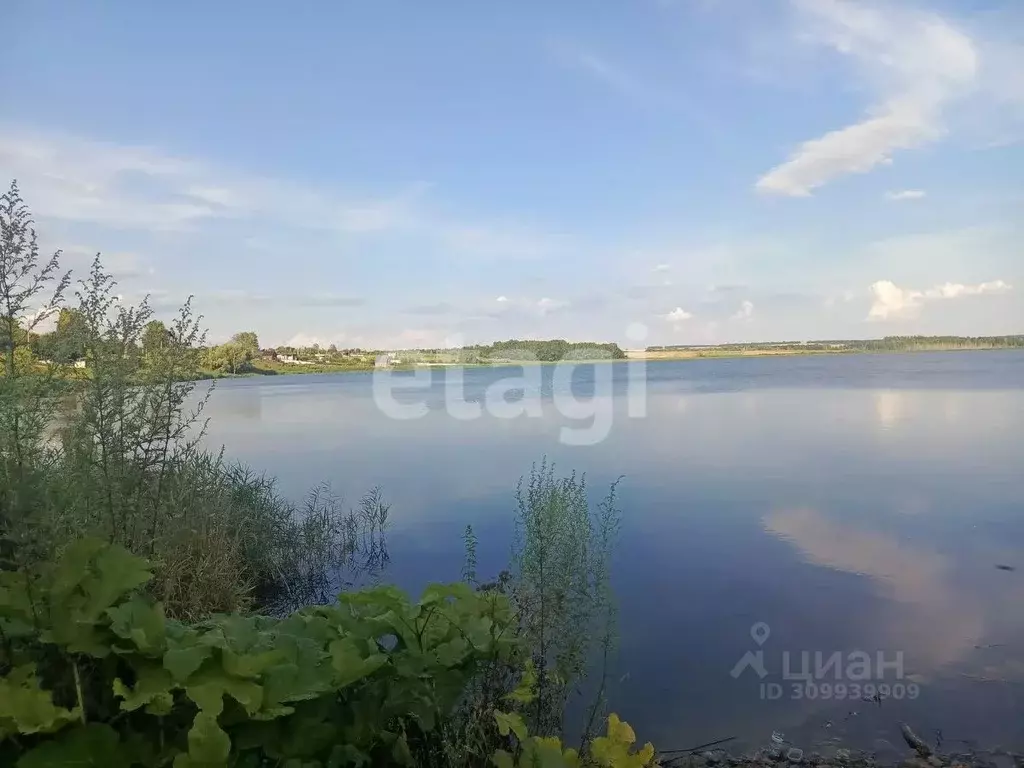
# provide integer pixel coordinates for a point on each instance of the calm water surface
(849, 503)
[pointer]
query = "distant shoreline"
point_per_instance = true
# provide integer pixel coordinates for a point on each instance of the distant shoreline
(653, 356)
(713, 353)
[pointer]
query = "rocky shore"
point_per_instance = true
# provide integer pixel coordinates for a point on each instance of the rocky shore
(918, 755)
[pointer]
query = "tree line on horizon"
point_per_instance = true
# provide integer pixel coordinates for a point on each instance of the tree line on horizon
(886, 344)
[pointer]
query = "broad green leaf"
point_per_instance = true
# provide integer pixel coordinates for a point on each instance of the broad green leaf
(154, 689)
(15, 599)
(526, 691)
(118, 572)
(73, 567)
(620, 732)
(452, 653)
(208, 694)
(510, 721)
(436, 593)
(249, 664)
(26, 708)
(350, 664)
(208, 744)
(183, 662)
(141, 623)
(502, 759)
(89, 745)
(544, 753)
(612, 750)
(289, 683)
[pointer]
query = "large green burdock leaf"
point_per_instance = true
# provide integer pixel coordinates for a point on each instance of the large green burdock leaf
(351, 664)
(510, 722)
(73, 567)
(141, 623)
(89, 745)
(250, 665)
(26, 708)
(208, 744)
(153, 689)
(184, 661)
(90, 577)
(209, 689)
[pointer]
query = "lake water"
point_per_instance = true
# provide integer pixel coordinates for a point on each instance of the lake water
(850, 504)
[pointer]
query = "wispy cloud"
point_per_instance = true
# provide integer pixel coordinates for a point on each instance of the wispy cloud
(639, 90)
(612, 75)
(745, 312)
(916, 63)
(677, 316)
(525, 307)
(905, 194)
(143, 188)
(891, 301)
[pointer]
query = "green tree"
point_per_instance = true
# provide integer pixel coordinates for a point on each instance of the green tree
(230, 357)
(73, 333)
(155, 337)
(235, 355)
(248, 342)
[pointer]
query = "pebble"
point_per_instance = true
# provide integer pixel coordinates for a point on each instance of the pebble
(795, 755)
(936, 761)
(712, 758)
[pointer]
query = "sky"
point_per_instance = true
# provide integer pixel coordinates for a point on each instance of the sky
(400, 174)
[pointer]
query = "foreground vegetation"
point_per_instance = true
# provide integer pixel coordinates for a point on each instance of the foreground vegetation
(161, 606)
(95, 674)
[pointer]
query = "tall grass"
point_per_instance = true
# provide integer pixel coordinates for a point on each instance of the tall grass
(561, 584)
(115, 450)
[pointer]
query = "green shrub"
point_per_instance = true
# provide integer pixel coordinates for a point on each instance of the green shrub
(93, 673)
(114, 451)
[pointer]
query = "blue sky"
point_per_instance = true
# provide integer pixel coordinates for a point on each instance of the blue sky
(404, 174)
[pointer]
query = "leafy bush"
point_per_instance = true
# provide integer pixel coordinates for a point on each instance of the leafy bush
(93, 673)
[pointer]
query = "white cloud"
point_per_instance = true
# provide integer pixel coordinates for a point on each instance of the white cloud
(745, 312)
(143, 188)
(524, 307)
(307, 340)
(546, 305)
(891, 301)
(916, 62)
(905, 194)
(677, 315)
(661, 268)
